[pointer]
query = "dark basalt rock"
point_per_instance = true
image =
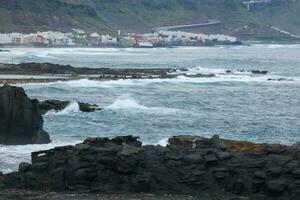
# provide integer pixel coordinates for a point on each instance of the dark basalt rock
(20, 119)
(280, 79)
(58, 105)
(86, 107)
(196, 166)
(259, 72)
(200, 75)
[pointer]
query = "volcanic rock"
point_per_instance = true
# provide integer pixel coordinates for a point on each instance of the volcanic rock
(197, 166)
(58, 105)
(20, 119)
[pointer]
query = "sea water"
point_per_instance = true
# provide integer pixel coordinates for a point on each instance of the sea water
(239, 105)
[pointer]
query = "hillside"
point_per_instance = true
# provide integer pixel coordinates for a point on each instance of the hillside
(142, 15)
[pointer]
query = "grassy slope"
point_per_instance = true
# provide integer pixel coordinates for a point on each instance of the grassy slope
(139, 15)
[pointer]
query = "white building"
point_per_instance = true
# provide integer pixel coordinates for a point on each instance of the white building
(5, 39)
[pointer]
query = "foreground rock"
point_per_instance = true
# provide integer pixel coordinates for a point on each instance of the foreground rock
(20, 119)
(188, 165)
(39, 195)
(58, 105)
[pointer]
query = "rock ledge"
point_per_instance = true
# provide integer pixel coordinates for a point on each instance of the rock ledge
(123, 165)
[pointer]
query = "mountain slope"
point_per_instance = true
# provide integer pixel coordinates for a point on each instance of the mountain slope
(142, 15)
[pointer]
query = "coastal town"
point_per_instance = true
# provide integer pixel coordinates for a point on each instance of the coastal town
(79, 38)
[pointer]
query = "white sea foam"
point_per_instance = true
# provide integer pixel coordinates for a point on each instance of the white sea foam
(163, 142)
(233, 77)
(215, 71)
(126, 102)
(12, 155)
(277, 46)
(73, 107)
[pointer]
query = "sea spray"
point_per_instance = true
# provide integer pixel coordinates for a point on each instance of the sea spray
(73, 107)
(129, 104)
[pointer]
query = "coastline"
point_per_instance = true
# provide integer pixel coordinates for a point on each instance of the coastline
(48, 72)
(189, 167)
(221, 163)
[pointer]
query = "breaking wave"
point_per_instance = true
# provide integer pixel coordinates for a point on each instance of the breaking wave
(129, 104)
(163, 142)
(73, 107)
(187, 75)
(11, 155)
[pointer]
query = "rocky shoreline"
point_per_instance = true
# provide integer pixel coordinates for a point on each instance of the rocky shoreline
(32, 73)
(189, 167)
(21, 120)
(196, 166)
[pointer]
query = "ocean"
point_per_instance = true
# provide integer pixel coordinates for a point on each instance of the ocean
(240, 105)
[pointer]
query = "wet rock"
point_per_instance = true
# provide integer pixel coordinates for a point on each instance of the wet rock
(259, 72)
(200, 75)
(57, 105)
(20, 119)
(86, 107)
(280, 79)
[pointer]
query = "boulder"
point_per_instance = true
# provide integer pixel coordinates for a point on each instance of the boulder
(20, 119)
(259, 72)
(57, 105)
(86, 107)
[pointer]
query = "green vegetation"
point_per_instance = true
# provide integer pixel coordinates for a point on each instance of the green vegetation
(142, 15)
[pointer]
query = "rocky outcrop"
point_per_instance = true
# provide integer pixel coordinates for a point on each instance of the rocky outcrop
(55, 105)
(87, 107)
(58, 105)
(20, 119)
(187, 166)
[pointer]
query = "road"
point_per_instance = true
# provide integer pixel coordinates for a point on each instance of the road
(166, 28)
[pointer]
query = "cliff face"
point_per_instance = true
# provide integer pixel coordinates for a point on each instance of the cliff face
(142, 15)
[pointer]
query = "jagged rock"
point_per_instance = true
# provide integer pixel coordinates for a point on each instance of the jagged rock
(55, 105)
(58, 105)
(199, 75)
(195, 166)
(259, 72)
(196, 142)
(183, 141)
(86, 107)
(20, 119)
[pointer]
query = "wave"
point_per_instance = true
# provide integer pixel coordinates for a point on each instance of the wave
(127, 103)
(277, 46)
(12, 155)
(188, 75)
(73, 107)
(202, 74)
(218, 71)
(163, 142)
